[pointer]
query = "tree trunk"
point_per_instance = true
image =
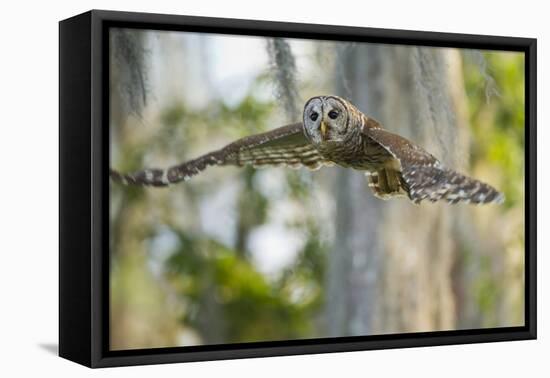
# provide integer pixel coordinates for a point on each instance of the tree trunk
(390, 267)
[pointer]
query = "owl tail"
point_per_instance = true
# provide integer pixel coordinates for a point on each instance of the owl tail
(436, 183)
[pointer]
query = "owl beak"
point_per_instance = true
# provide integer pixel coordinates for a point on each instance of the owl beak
(323, 129)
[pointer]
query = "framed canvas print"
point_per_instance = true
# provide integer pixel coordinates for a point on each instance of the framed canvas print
(234, 188)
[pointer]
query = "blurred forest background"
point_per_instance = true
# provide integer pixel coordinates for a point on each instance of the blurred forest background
(242, 255)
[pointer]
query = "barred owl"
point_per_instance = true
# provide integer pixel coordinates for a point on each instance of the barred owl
(334, 132)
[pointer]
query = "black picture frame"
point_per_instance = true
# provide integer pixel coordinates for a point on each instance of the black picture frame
(84, 188)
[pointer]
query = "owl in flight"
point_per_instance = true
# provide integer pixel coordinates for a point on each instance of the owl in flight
(335, 132)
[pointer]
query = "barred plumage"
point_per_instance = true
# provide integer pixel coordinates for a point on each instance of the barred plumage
(334, 131)
(286, 146)
(435, 183)
(418, 174)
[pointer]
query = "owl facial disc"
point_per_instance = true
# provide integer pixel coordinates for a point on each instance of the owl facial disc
(325, 120)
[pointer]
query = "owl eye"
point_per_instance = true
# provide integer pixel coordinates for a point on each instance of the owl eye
(333, 114)
(313, 116)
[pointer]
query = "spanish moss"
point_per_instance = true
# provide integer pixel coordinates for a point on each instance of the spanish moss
(283, 67)
(477, 57)
(129, 57)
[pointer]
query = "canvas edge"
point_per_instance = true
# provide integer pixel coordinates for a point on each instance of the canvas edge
(75, 272)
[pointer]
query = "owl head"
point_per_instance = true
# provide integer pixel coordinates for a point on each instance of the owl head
(326, 119)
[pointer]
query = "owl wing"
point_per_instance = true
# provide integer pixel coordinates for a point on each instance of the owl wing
(285, 145)
(409, 169)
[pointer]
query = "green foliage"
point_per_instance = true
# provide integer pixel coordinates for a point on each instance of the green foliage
(496, 98)
(182, 127)
(497, 118)
(201, 265)
(486, 291)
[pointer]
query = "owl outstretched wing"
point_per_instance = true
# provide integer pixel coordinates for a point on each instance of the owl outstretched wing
(285, 145)
(409, 169)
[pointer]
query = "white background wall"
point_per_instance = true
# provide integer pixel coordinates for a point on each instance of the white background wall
(29, 174)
